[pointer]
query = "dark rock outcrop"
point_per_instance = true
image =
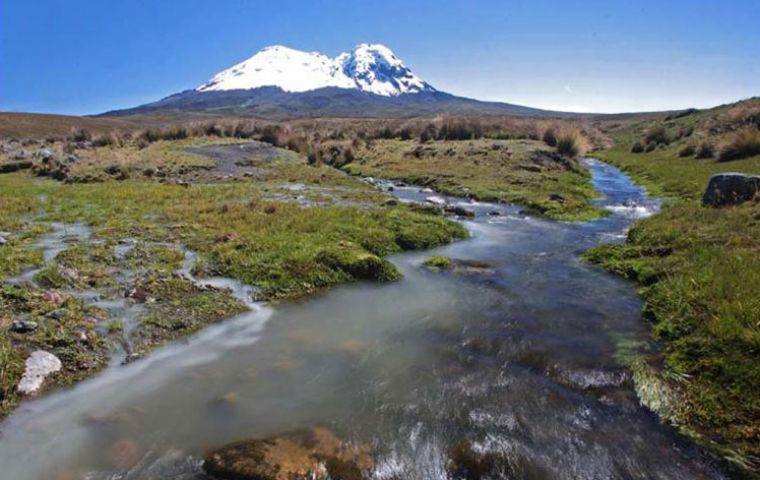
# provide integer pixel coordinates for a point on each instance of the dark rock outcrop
(730, 189)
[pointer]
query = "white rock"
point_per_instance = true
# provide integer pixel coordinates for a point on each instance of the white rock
(39, 365)
(435, 200)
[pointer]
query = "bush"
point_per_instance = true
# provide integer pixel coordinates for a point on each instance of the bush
(705, 150)
(571, 143)
(550, 137)
(428, 133)
(80, 135)
(657, 136)
(742, 144)
(102, 141)
(637, 147)
(174, 133)
(687, 151)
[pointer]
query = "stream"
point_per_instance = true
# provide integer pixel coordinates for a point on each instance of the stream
(525, 359)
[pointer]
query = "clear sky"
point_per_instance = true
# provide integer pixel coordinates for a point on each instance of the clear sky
(88, 56)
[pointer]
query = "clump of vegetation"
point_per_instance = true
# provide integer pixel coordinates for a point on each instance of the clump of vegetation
(637, 147)
(744, 143)
(705, 150)
(571, 143)
(657, 136)
(437, 262)
(687, 151)
(550, 137)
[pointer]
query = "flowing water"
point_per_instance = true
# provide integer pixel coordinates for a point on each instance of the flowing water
(524, 360)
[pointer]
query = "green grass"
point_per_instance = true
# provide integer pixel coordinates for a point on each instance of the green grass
(699, 269)
(253, 231)
(487, 170)
(437, 262)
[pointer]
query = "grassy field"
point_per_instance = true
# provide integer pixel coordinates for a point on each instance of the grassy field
(297, 229)
(526, 172)
(699, 269)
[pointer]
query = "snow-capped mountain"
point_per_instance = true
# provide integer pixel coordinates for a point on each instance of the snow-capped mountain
(370, 68)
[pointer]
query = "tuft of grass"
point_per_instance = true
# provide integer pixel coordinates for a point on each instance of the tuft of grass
(744, 143)
(571, 143)
(437, 262)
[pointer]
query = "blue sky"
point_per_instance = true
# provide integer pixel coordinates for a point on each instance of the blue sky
(87, 56)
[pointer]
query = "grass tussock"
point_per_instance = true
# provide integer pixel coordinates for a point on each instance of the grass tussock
(572, 143)
(744, 143)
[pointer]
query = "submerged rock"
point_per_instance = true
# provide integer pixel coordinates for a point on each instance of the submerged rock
(730, 189)
(459, 211)
(307, 454)
(39, 366)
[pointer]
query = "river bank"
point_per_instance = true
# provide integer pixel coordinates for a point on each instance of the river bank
(523, 362)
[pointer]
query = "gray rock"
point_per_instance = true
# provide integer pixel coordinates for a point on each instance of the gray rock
(3, 240)
(435, 200)
(459, 211)
(44, 154)
(39, 366)
(730, 189)
(57, 314)
(23, 326)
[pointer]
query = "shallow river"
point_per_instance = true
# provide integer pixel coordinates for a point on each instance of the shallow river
(525, 360)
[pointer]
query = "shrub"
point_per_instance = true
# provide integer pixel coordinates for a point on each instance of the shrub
(705, 150)
(80, 135)
(102, 141)
(571, 143)
(651, 147)
(637, 147)
(428, 133)
(174, 133)
(687, 151)
(657, 136)
(742, 144)
(550, 137)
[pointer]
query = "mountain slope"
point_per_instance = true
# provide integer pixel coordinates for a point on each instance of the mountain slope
(369, 68)
(281, 83)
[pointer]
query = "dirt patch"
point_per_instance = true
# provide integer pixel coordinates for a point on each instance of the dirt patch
(237, 160)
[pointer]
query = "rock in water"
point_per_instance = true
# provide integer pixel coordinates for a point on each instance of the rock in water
(307, 454)
(435, 200)
(730, 189)
(39, 365)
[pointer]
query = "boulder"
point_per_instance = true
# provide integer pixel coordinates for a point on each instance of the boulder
(310, 453)
(730, 189)
(38, 367)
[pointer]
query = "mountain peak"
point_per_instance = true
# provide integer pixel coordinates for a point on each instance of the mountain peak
(372, 68)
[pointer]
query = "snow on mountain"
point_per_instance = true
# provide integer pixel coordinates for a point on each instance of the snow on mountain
(369, 67)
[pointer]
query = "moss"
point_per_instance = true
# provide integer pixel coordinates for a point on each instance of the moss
(437, 262)
(357, 263)
(50, 277)
(178, 308)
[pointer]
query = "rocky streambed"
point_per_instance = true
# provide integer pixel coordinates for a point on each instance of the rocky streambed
(514, 363)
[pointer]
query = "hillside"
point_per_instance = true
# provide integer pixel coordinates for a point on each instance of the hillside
(699, 267)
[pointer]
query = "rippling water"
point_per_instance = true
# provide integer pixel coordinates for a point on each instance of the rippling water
(523, 361)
